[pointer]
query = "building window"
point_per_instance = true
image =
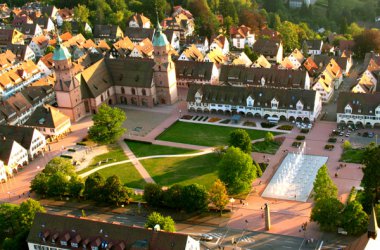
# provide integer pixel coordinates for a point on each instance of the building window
(133, 91)
(347, 111)
(143, 92)
(122, 90)
(101, 98)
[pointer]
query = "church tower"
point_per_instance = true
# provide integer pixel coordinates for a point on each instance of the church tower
(67, 89)
(164, 75)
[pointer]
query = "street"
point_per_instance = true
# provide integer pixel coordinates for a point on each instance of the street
(222, 236)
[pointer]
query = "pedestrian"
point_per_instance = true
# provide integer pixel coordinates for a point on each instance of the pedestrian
(336, 175)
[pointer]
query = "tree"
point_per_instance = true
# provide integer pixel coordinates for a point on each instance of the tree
(58, 184)
(289, 34)
(40, 183)
(9, 225)
(108, 124)
(153, 194)
(269, 137)
(305, 48)
(218, 195)
(49, 49)
(251, 54)
(27, 211)
(165, 223)
(81, 13)
(371, 177)
(354, 29)
(195, 197)
(324, 187)
(114, 191)
(354, 219)
(239, 138)
(173, 197)
(93, 187)
(367, 41)
(59, 164)
(76, 186)
(66, 27)
(326, 213)
(346, 145)
(236, 170)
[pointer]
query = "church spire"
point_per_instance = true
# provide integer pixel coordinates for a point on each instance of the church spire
(159, 38)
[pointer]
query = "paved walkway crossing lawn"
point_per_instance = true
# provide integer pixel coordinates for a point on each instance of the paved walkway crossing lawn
(183, 170)
(204, 134)
(127, 173)
(141, 149)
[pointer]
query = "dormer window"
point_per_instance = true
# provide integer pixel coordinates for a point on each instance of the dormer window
(348, 109)
(63, 243)
(299, 105)
(274, 103)
(359, 111)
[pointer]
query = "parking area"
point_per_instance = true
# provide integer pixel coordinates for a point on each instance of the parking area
(357, 137)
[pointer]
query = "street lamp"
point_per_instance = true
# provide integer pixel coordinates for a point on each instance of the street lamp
(232, 200)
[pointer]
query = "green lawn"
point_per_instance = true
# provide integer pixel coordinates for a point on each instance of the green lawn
(127, 174)
(353, 155)
(144, 149)
(266, 147)
(183, 170)
(204, 134)
(115, 153)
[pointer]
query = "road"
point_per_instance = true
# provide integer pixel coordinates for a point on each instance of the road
(222, 236)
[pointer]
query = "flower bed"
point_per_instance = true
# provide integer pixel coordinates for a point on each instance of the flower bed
(332, 140)
(329, 147)
(187, 117)
(296, 144)
(267, 125)
(214, 119)
(285, 127)
(249, 124)
(226, 121)
(300, 137)
(305, 130)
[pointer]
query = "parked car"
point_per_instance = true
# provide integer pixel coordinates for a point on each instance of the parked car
(371, 134)
(341, 133)
(206, 237)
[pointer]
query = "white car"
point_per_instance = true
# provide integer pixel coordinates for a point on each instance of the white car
(206, 237)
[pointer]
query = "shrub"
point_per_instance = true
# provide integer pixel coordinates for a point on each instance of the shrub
(267, 125)
(305, 130)
(81, 144)
(329, 147)
(71, 150)
(300, 137)
(67, 156)
(332, 140)
(263, 166)
(285, 127)
(187, 117)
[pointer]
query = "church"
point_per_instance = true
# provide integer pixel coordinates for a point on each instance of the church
(142, 82)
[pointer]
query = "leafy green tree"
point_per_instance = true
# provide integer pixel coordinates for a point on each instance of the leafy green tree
(114, 191)
(58, 184)
(27, 211)
(354, 219)
(76, 186)
(9, 224)
(218, 195)
(354, 29)
(66, 27)
(367, 41)
(153, 194)
(289, 34)
(269, 137)
(346, 145)
(236, 170)
(371, 177)
(165, 223)
(327, 213)
(195, 197)
(49, 49)
(81, 13)
(93, 187)
(239, 138)
(108, 124)
(40, 183)
(251, 54)
(324, 187)
(59, 164)
(18, 242)
(173, 197)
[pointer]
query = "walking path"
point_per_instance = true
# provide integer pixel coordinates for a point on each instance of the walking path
(147, 176)
(132, 158)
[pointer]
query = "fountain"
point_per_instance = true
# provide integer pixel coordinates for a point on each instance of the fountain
(294, 178)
